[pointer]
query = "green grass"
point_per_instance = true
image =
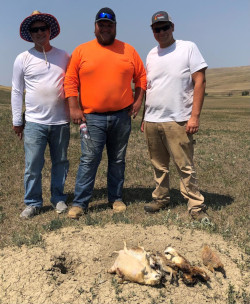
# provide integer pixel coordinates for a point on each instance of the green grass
(222, 163)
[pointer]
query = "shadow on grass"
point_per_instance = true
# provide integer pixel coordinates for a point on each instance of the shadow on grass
(214, 201)
(46, 209)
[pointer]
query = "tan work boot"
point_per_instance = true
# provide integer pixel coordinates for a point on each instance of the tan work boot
(75, 212)
(198, 215)
(119, 206)
(155, 206)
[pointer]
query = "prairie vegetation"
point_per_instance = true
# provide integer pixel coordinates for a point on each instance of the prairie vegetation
(228, 81)
(222, 163)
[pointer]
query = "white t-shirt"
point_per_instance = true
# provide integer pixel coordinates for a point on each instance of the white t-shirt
(43, 83)
(169, 82)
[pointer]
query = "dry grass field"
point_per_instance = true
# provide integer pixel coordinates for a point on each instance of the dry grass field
(228, 81)
(4, 88)
(222, 162)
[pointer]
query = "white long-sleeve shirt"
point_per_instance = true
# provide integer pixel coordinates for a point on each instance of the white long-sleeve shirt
(43, 85)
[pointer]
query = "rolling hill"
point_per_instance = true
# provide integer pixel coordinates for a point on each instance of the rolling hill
(220, 81)
(225, 81)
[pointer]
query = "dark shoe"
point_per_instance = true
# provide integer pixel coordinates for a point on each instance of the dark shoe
(155, 206)
(200, 214)
(119, 206)
(75, 212)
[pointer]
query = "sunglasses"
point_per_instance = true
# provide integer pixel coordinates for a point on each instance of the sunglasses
(41, 28)
(162, 28)
(106, 15)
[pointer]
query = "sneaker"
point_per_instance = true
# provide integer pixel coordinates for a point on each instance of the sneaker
(61, 207)
(155, 206)
(200, 214)
(29, 212)
(119, 206)
(75, 212)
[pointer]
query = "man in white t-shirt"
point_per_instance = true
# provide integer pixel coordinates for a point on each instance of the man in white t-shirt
(40, 73)
(174, 98)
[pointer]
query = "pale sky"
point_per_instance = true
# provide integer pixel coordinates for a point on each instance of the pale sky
(220, 28)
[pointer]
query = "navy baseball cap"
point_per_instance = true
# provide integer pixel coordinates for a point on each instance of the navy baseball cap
(107, 14)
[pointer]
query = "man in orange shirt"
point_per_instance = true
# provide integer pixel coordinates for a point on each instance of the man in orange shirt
(101, 72)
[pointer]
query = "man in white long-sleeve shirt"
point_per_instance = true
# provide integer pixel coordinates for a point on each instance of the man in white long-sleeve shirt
(40, 73)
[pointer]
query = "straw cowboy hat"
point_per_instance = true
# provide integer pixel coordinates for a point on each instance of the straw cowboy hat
(38, 16)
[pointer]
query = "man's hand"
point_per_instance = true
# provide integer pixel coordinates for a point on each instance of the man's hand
(138, 98)
(76, 113)
(76, 116)
(192, 126)
(19, 131)
(135, 108)
(142, 126)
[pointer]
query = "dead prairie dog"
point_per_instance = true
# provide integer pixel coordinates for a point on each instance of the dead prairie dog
(159, 261)
(211, 259)
(190, 273)
(133, 265)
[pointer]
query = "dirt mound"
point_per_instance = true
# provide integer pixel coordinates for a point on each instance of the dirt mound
(71, 268)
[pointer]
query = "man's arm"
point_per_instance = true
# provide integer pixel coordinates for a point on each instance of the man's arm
(76, 113)
(199, 81)
(140, 82)
(71, 87)
(143, 114)
(138, 97)
(17, 97)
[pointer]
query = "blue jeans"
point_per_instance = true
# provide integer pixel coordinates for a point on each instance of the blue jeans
(36, 138)
(112, 130)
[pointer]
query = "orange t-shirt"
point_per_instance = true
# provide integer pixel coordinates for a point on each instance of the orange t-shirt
(103, 75)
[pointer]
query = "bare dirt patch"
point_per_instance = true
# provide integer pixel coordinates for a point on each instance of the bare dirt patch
(71, 268)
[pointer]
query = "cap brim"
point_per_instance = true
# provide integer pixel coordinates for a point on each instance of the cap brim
(105, 19)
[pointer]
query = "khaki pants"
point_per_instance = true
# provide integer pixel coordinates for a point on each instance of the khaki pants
(169, 139)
